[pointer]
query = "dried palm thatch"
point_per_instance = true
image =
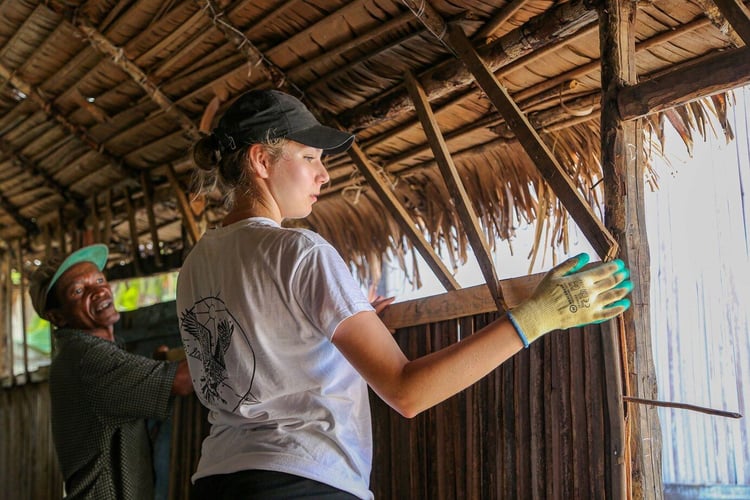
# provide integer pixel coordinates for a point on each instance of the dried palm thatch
(102, 99)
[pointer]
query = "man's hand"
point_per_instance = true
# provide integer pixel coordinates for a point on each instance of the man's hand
(568, 297)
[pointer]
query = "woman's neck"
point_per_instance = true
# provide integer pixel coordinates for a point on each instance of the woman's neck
(245, 209)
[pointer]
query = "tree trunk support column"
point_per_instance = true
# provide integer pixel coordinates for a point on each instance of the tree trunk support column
(634, 460)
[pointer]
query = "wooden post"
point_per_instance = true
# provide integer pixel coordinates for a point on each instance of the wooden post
(21, 298)
(134, 241)
(6, 344)
(107, 230)
(148, 196)
(188, 220)
(95, 220)
(61, 232)
(623, 168)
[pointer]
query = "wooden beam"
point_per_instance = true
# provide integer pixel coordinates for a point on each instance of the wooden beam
(22, 161)
(728, 17)
(27, 224)
(103, 45)
(95, 221)
(551, 170)
(107, 232)
(75, 130)
(147, 188)
(486, 34)
(24, 337)
(135, 252)
(531, 96)
(635, 450)
(468, 301)
(188, 220)
(401, 216)
(699, 78)
(246, 47)
(556, 25)
(456, 189)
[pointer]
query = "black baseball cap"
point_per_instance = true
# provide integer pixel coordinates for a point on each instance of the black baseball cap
(259, 115)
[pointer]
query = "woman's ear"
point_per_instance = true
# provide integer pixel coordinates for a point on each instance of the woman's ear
(259, 159)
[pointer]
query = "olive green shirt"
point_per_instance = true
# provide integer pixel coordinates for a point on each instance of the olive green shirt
(100, 396)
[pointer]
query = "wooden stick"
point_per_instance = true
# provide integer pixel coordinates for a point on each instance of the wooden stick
(683, 406)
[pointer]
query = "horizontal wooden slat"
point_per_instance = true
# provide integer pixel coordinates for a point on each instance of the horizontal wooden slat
(458, 303)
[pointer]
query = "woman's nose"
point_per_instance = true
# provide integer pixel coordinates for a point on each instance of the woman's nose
(324, 177)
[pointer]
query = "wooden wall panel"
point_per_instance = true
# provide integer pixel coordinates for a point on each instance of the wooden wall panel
(28, 464)
(534, 428)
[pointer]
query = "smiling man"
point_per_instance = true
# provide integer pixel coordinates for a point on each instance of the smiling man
(100, 394)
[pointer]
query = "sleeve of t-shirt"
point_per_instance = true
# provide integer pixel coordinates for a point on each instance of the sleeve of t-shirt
(121, 386)
(325, 289)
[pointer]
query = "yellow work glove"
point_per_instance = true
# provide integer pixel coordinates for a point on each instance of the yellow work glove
(567, 297)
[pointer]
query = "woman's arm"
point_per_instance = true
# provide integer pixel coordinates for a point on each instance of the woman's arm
(411, 387)
(568, 296)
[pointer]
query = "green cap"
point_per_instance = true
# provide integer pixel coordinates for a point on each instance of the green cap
(46, 275)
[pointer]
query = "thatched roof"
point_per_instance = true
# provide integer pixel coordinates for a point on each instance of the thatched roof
(102, 99)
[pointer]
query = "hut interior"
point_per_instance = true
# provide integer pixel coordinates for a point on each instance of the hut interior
(472, 117)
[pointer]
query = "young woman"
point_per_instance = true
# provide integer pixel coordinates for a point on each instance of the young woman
(281, 342)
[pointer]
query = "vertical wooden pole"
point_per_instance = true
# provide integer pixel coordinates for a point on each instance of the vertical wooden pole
(95, 220)
(61, 232)
(21, 298)
(188, 220)
(5, 323)
(148, 192)
(623, 167)
(107, 230)
(134, 242)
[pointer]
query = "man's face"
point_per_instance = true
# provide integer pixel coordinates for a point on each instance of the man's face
(85, 299)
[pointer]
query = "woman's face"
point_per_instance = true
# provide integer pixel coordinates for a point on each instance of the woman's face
(294, 181)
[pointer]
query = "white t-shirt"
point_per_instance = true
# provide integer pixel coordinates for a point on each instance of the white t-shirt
(258, 305)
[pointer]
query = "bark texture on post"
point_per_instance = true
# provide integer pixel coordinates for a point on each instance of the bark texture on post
(624, 214)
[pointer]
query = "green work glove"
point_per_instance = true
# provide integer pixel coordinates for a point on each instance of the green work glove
(567, 297)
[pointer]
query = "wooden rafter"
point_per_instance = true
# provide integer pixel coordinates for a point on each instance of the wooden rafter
(49, 181)
(103, 45)
(551, 170)
(560, 23)
(401, 216)
(487, 32)
(271, 72)
(29, 226)
(530, 96)
(719, 19)
(457, 191)
(80, 133)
